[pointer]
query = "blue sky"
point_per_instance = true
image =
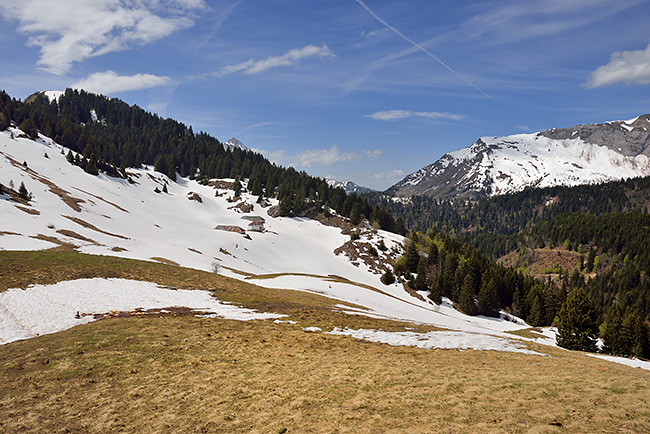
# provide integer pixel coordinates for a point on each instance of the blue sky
(367, 91)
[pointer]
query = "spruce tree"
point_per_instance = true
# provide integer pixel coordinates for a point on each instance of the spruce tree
(22, 191)
(488, 299)
(577, 324)
(388, 278)
(466, 302)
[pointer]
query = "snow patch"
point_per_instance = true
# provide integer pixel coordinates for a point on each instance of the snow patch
(43, 309)
(438, 339)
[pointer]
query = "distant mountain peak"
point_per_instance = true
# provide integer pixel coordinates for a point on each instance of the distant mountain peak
(582, 154)
(348, 186)
(234, 143)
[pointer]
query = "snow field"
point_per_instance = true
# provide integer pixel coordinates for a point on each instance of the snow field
(43, 309)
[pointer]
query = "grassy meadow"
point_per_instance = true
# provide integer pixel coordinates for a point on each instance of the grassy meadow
(181, 373)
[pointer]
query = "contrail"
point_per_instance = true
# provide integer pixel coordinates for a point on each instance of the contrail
(418, 46)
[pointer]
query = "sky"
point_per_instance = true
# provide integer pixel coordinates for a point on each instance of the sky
(360, 90)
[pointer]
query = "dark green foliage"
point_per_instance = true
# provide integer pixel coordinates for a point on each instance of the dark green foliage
(434, 294)
(388, 278)
(466, 301)
(577, 325)
(22, 191)
(4, 122)
(412, 257)
(488, 299)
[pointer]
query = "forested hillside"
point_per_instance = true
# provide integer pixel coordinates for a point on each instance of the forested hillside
(590, 237)
(109, 135)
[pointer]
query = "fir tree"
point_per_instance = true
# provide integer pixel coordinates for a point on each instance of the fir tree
(466, 301)
(412, 258)
(22, 191)
(488, 299)
(577, 324)
(388, 278)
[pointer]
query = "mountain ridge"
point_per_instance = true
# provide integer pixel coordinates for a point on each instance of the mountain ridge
(583, 154)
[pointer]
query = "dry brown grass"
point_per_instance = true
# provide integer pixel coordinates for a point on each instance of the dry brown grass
(180, 373)
(30, 211)
(90, 226)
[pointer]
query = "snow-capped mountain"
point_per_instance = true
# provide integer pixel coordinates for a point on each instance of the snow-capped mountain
(498, 165)
(349, 186)
(234, 143)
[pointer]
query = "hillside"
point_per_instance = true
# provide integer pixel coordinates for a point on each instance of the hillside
(584, 154)
(292, 337)
(177, 372)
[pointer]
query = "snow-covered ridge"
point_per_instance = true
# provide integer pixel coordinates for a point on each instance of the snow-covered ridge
(233, 143)
(498, 165)
(348, 186)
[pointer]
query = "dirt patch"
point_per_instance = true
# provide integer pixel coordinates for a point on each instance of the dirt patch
(87, 225)
(62, 245)
(194, 196)
(118, 249)
(222, 185)
(164, 261)
(72, 234)
(243, 207)
(31, 211)
(65, 196)
(8, 233)
(103, 200)
(194, 250)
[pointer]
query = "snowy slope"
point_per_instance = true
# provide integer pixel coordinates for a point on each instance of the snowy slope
(572, 156)
(110, 216)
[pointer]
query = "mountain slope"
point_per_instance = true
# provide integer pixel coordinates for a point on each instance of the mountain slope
(106, 215)
(498, 165)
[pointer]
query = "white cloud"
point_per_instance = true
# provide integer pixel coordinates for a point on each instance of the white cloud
(109, 82)
(393, 175)
(69, 31)
(320, 157)
(391, 115)
(631, 67)
(289, 58)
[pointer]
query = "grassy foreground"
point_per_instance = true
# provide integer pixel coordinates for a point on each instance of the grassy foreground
(179, 373)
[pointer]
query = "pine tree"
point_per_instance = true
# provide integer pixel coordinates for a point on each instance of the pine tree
(388, 278)
(412, 258)
(466, 302)
(434, 293)
(22, 191)
(612, 332)
(488, 299)
(577, 324)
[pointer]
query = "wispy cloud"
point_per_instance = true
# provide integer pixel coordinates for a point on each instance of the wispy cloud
(418, 46)
(514, 21)
(74, 30)
(318, 157)
(631, 67)
(393, 175)
(391, 115)
(109, 82)
(290, 58)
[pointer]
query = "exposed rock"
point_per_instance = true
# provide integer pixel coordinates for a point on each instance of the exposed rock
(194, 196)
(274, 211)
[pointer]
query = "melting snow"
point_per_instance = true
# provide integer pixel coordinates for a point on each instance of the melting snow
(43, 309)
